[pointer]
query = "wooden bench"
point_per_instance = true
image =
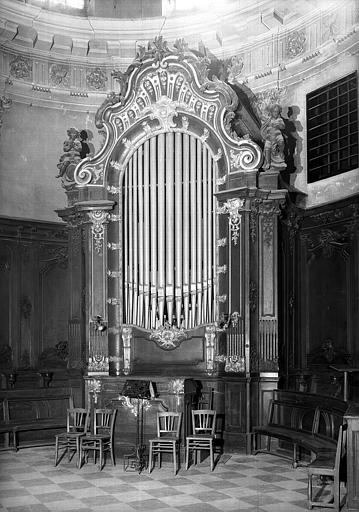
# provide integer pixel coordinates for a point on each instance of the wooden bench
(306, 421)
(33, 410)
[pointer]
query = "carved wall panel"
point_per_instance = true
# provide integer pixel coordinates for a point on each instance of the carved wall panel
(320, 303)
(35, 288)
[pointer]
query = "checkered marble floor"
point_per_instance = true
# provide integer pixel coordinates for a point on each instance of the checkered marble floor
(29, 482)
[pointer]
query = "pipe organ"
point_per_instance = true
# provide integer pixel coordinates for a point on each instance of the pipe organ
(169, 219)
(177, 229)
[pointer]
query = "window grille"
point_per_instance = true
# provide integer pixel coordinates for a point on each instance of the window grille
(332, 129)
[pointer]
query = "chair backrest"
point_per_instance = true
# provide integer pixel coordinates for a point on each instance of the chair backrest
(204, 421)
(104, 421)
(78, 420)
(169, 423)
(206, 399)
(341, 446)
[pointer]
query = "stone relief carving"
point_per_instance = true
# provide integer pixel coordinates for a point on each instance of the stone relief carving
(96, 79)
(295, 43)
(59, 75)
(20, 68)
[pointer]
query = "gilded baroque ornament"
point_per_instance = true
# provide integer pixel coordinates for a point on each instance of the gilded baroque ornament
(232, 207)
(113, 301)
(96, 79)
(167, 336)
(164, 111)
(20, 68)
(113, 246)
(295, 43)
(98, 219)
(59, 75)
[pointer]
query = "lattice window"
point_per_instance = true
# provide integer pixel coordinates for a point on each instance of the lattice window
(332, 129)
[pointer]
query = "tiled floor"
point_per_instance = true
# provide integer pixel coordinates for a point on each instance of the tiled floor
(262, 483)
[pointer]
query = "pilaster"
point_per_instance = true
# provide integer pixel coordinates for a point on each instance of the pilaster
(88, 333)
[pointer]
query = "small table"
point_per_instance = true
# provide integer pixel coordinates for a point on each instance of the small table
(345, 370)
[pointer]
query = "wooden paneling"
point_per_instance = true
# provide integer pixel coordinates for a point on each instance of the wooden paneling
(319, 290)
(34, 288)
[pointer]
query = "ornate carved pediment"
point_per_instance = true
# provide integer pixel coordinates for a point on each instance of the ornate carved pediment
(167, 89)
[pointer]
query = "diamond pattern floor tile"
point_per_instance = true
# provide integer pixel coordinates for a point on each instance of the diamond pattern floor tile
(29, 482)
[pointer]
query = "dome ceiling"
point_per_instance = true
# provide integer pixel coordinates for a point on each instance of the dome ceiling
(56, 58)
(222, 27)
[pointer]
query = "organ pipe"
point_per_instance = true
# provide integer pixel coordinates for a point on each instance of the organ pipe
(169, 250)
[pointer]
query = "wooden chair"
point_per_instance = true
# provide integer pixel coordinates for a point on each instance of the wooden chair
(167, 440)
(203, 434)
(101, 440)
(78, 421)
(328, 466)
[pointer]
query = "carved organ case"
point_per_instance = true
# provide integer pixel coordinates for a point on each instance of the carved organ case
(172, 212)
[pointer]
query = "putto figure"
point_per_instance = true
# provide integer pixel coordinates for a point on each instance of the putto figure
(272, 131)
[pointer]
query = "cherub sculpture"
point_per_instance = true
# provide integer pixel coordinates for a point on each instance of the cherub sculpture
(272, 131)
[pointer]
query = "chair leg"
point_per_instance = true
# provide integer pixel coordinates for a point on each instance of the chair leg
(78, 453)
(187, 455)
(211, 455)
(310, 492)
(112, 453)
(336, 494)
(56, 449)
(150, 459)
(174, 458)
(101, 455)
